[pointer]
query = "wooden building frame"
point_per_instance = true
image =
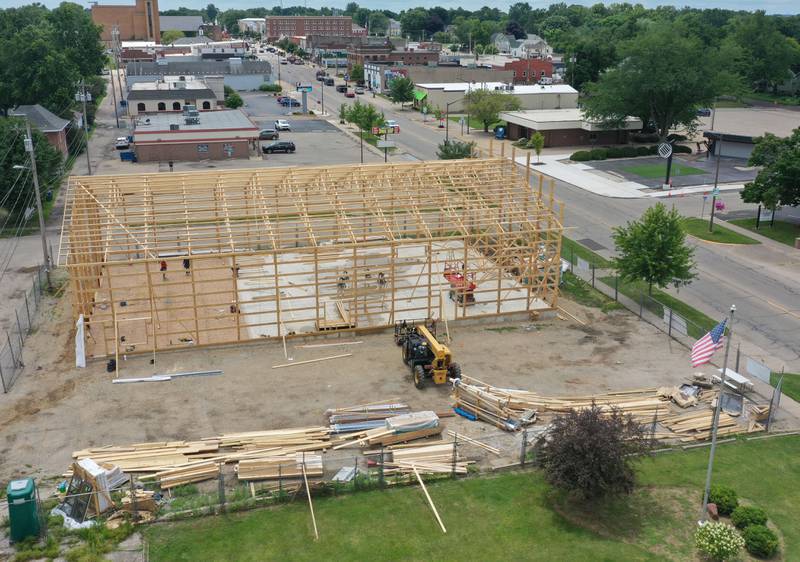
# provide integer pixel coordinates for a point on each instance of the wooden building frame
(274, 252)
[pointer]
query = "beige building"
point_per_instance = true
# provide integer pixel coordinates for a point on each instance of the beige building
(194, 135)
(139, 22)
(172, 93)
(566, 127)
(559, 96)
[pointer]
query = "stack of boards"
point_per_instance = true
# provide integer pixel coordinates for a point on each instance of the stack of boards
(432, 458)
(365, 416)
(395, 429)
(256, 453)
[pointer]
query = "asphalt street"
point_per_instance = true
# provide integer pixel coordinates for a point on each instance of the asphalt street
(763, 281)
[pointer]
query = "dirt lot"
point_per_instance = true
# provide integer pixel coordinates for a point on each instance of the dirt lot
(56, 408)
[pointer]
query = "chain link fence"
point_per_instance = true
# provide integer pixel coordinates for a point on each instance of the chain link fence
(21, 326)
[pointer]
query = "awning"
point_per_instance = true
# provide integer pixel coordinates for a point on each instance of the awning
(419, 96)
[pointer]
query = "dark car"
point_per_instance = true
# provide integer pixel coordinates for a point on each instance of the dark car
(329, 82)
(279, 146)
(341, 88)
(290, 102)
(268, 134)
(704, 112)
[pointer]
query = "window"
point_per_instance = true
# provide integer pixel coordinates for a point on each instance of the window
(140, 107)
(543, 74)
(176, 106)
(524, 74)
(513, 73)
(206, 105)
(202, 148)
(162, 106)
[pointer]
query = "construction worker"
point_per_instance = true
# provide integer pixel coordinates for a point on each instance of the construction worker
(163, 270)
(186, 265)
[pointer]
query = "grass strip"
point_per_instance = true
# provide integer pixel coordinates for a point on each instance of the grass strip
(780, 231)
(583, 293)
(572, 250)
(699, 229)
(653, 171)
(790, 386)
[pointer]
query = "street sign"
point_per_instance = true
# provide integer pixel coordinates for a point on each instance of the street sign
(385, 130)
(346, 77)
(665, 150)
(303, 87)
(386, 144)
(424, 109)
(461, 120)
(715, 191)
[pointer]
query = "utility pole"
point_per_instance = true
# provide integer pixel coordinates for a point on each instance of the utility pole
(83, 95)
(717, 410)
(32, 153)
(115, 39)
(114, 94)
(716, 181)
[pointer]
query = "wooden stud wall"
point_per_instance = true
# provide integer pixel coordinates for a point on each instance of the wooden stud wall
(277, 251)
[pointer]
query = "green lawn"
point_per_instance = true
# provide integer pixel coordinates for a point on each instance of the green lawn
(790, 386)
(699, 229)
(784, 232)
(582, 292)
(508, 517)
(571, 251)
(779, 99)
(653, 171)
(473, 123)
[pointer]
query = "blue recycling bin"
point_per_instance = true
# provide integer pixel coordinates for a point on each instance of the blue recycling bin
(500, 133)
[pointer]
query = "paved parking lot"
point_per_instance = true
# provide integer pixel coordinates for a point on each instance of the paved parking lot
(731, 170)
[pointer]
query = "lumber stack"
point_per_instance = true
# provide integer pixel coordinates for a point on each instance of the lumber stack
(485, 404)
(296, 439)
(280, 466)
(148, 457)
(431, 458)
(697, 426)
(363, 417)
(187, 474)
(396, 429)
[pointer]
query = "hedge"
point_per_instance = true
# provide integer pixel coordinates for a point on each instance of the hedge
(760, 541)
(623, 152)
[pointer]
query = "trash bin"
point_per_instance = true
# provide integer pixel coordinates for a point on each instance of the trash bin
(500, 133)
(23, 513)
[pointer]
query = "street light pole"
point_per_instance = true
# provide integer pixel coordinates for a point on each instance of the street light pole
(716, 181)
(86, 125)
(32, 154)
(715, 422)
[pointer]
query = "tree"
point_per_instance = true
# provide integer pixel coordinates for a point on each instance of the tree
(653, 249)
(170, 36)
(365, 117)
(413, 22)
(210, 13)
(232, 98)
(74, 33)
(537, 144)
(453, 150)
(16, 186)
(513, 27)
(401, 90)
(591, 453)
(663, 78)
(378, 23)
(777, 181)
(357, 73)
(486, 105)
(343, 113)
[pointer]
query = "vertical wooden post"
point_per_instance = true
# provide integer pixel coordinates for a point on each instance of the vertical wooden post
(502, 149)
(491, 147)
(528, 169)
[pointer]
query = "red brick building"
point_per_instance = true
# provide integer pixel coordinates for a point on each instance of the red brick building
(288, 26)
(138, 22)
(386, 53)
(53, 126)
(528, 71)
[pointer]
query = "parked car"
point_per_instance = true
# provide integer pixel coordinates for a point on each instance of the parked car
(280, 99)
(329, 81)
(278, 146)
(349, 94)
(391, 123)
(268, 134)
(298, 61)
(122, 143)
(359, 90)
(282, 125)
(341, 88)
(284, 61)
(290, 102)
(704, 112)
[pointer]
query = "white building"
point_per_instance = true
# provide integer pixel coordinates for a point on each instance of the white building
(253, 25)
(532, 46)
(394, 29)
(535, 96)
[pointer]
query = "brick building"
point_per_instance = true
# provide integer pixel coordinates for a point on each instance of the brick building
(139, 22)
(52, 126)
(362, 54)
(194, 135)
(528, 71)
(174, 93)
(289, 26)
(566, 127)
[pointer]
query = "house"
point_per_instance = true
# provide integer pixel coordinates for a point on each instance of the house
(139, 22)
(566, 127)
(528, 71)
(51, 125)
(193, 135)
(359, 31)
(190, 25)
(252, 25)
(174, 93)
(532, 46)
(394, 29)
(242, 75)
(530, 97)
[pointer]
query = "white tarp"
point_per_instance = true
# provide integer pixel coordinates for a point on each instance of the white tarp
(80, 344)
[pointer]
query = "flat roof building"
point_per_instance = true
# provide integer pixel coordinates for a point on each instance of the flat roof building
(137, 22)
(565, 127)
(291, 26)
(193, 135)
(173, 93)
(531, 97)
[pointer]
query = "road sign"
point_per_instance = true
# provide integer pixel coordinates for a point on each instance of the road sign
(665, 150)
(386, 144)
(385, 130)
(715, 191)
(303, 87)
(424, 109)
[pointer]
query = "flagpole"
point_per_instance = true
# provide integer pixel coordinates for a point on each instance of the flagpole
(715, 422)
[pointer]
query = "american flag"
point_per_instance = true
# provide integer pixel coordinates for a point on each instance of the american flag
(705, 347)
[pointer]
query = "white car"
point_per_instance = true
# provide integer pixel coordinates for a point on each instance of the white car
(282, 125)
(122, 143)
(390, 123)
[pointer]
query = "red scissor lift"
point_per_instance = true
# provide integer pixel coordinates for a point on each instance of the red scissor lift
(462, 284)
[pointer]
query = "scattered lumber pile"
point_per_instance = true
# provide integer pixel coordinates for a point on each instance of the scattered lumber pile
(484, 403)
(364, 416)
(186, 474)
(697, 426)
(433, 458)
(396, 429)
(279, 467)
(142, 500)
(148, 457)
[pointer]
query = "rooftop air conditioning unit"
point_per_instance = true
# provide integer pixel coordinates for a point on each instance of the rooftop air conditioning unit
(189, 120)
(182, 78)
(174, 127)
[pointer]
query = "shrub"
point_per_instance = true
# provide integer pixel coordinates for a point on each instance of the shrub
(644, 137)
(629, 151)
(581, 156)
(725, 498)
(681, 149)
(718, 541)
(676, 137)
(599, 153)
(614, 152)
(760, 541)
(265, 87)
(642, 151)
(521, 143)
(747, 515)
